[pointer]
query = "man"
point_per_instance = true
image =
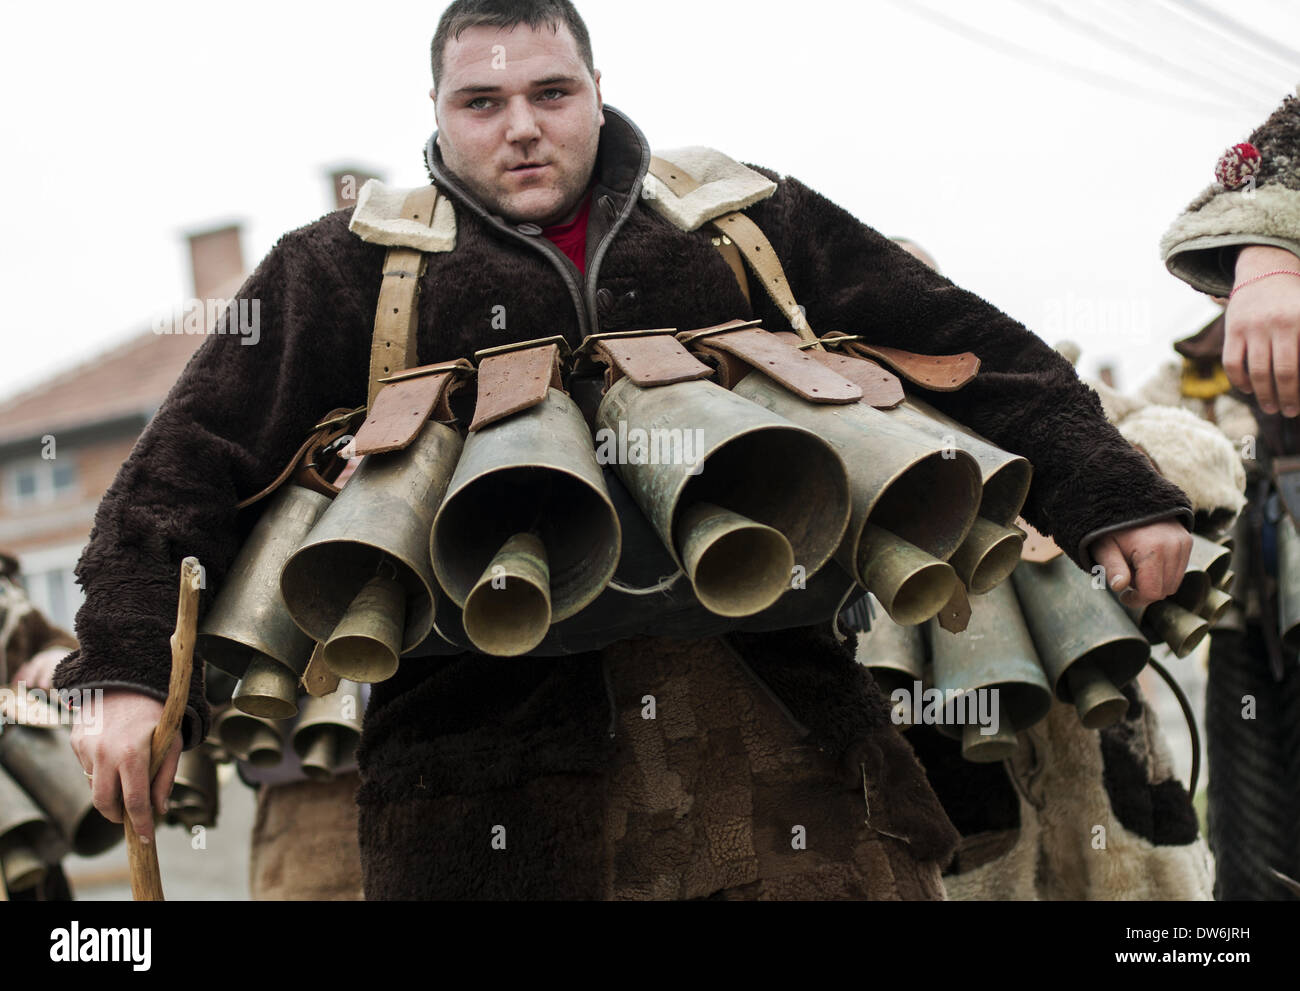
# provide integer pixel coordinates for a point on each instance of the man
(1240, 239)
(536, 778)
(30, 649)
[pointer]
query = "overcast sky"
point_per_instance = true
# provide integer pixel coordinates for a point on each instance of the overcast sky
(1038, 149)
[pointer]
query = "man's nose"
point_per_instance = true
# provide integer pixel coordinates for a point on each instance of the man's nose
(521, 122)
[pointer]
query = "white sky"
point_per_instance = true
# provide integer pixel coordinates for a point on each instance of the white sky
(128, 124)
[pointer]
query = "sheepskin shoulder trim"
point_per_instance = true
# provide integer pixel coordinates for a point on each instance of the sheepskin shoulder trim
(725, 186)
(1268, 215)
(378, 219)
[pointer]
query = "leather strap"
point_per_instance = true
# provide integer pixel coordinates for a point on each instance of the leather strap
(731, 255)
(402, 409)
(762, 258)
(789, 366)
(1037, 548)
(393, 347)
(318, 679)
(304, 467)
(738, 236)
(938, 373)
(880, 388)
(650, 360)
(515, 381)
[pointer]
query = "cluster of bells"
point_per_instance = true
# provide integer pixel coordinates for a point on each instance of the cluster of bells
(514, 524)
(1051, 632)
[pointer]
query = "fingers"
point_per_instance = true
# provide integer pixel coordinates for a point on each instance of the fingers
(1286, 372)
(135, 792)
(1107, 553)
(1159, 556)
(162, 782)
(119, 778)
(1259, 357)
(1234, 353)
(1150, 576)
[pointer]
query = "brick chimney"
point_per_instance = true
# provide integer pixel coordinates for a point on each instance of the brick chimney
(347, 182)
(216, 261)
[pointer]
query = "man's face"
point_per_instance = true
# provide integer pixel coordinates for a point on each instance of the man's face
(519, 120)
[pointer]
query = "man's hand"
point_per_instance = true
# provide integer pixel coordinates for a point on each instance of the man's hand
(39, 671)
(1261, 349)
(1146, 562)
(117, 760)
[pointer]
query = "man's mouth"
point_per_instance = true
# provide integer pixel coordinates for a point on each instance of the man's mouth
(528, 168)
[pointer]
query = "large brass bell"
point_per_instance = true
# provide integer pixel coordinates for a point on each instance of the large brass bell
(754, 482)
(1175, 621)
(249, 633)
(28, 841)
(328, 731)
(252, 739)
(993, 665)
(527, 535)
(42, 761)
(913, 502)
(1087, 643)
(1213, 559)
(362, 582)
(195, 796)
(895, 656)
(992, 549)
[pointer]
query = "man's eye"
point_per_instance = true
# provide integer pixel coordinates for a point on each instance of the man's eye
(481, 103)
(553, 94)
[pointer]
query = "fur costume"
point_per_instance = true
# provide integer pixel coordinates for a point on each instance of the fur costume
(454, 747)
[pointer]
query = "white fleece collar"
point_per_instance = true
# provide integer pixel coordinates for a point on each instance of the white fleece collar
(378, 220)
(725, 186)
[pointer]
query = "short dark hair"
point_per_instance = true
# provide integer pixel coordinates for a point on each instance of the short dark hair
(507, 14)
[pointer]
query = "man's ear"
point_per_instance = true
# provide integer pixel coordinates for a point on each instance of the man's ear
(600, 103)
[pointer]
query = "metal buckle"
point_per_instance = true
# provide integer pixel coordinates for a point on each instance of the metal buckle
(565, 350)
(588, 346)
(460, 366)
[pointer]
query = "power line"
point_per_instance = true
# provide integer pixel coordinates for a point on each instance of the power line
(1118, 43)
(1224, 55)
(1122, 87)
(1288, 57)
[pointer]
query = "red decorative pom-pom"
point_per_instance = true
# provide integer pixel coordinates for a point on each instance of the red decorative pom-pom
(1238, 164)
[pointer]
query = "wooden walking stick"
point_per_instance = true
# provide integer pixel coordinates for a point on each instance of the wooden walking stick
(146, 880)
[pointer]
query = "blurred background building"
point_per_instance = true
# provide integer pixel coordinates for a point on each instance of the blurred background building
(62, 442)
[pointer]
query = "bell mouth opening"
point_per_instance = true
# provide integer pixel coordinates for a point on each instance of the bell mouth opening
(22, 867)
(783, 477)
(741, 572)
(360, 658)
(576, 524)
(1005, 492)
(923, 594)
(932, 504)
(981, 748)
(995, 565)
(510, 620)
(321, 582)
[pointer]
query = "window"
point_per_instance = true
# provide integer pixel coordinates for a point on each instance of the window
(37, 482)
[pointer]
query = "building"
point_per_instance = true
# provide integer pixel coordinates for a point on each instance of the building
(63, 440)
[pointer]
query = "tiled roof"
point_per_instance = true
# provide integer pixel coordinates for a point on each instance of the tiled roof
(133, 377)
